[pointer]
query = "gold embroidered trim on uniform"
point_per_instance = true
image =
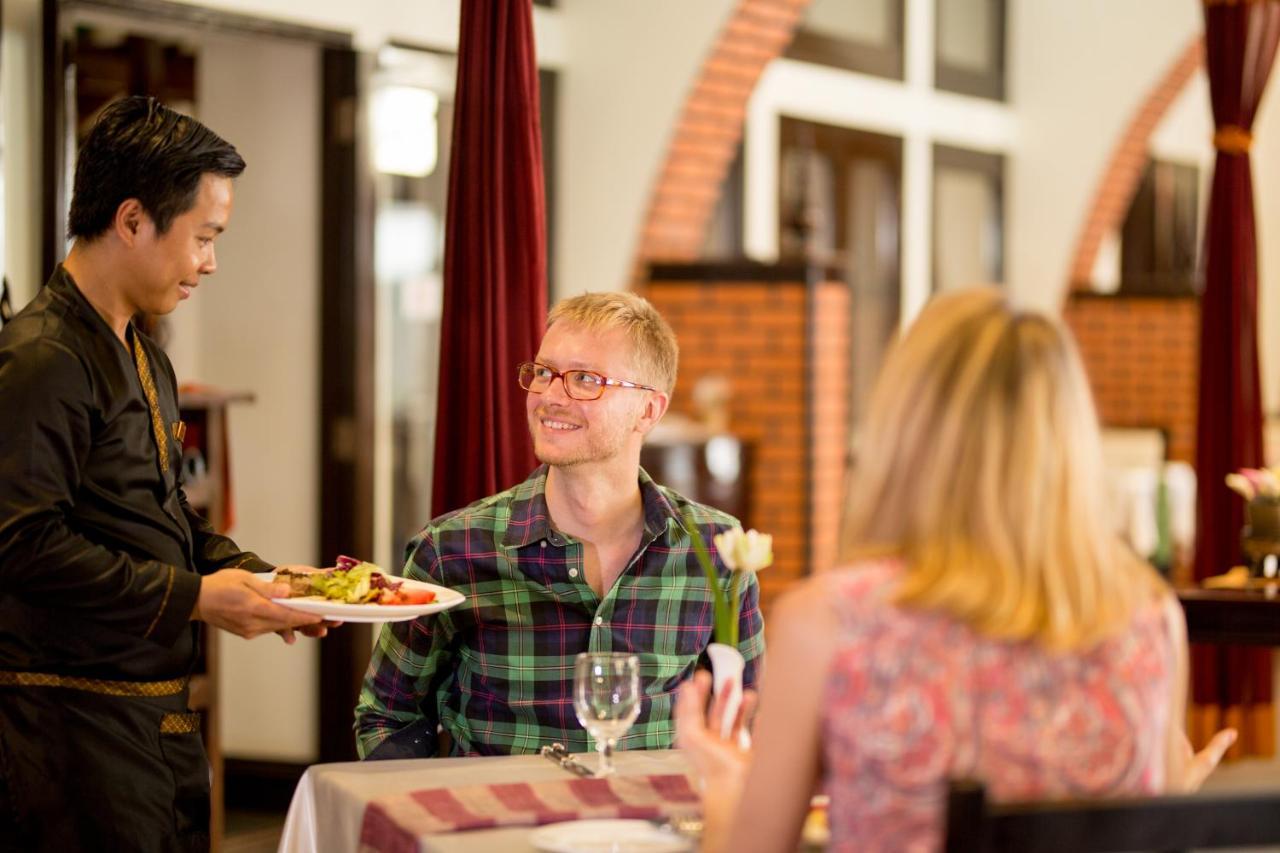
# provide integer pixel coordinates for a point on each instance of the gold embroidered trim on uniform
(94, 685)
(179, 724)
(163, 603)
(149, 389)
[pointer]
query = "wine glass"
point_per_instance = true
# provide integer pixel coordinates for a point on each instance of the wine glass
(606, 698)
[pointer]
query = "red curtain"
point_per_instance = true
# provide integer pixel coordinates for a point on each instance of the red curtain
(1231, 686)
(495, 288)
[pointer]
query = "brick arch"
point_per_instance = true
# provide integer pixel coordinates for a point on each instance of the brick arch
(1124, 170)
(709, 128)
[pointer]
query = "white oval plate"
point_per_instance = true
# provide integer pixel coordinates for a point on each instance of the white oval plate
(607, 836)
(341, 611)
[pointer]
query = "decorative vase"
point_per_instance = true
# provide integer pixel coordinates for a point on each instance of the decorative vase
(1261, 535)
(727, 666)
(1263, 517)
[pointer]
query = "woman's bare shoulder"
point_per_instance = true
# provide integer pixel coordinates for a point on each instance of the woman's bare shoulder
(813, 606)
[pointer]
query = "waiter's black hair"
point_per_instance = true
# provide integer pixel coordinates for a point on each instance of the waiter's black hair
(139, 148)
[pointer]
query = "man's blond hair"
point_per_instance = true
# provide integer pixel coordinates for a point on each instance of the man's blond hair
(654, 349)
(980, 466)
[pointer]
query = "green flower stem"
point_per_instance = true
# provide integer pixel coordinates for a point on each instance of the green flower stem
(726, 626)
(734, 608)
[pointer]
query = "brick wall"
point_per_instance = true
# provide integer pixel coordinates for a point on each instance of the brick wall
(830, 425)
(1141, 354)
(754, 334)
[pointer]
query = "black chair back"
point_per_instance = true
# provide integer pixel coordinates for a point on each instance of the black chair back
(1199, 821)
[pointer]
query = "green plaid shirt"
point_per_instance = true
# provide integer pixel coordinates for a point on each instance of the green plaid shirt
(497, 671)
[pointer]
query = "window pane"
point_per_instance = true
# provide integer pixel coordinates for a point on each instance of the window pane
(860, 35)
(965, 34)
(968, 219)
(840, 204)
(865, 21)
(969, 51)
(1159, 237)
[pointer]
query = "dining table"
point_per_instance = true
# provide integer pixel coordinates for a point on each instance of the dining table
(334, 803)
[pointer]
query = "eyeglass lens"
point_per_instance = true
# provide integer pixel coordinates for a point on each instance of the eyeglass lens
(578, 384)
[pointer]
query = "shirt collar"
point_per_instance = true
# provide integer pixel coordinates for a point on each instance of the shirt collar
(530, 521)
(64, 287)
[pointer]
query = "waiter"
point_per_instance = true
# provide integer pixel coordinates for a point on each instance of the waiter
(104, 568)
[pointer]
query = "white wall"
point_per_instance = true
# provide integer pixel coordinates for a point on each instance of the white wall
(1078, 71)
(258, 320)
(628, 67)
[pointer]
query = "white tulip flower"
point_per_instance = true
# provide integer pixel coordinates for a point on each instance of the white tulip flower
(1240, 484)
(1268, 483)
(748, 551)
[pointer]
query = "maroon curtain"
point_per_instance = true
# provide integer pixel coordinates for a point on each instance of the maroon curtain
(495, 288)
(1231, 686)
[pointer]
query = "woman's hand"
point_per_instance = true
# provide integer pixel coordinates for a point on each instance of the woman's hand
(1196, 766)
(720, 764)
(715, 758)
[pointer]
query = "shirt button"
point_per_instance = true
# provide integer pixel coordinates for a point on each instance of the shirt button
(573, 573)
(544, 543)
(599, 620)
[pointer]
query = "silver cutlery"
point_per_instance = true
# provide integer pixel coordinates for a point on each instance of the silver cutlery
(560, 755)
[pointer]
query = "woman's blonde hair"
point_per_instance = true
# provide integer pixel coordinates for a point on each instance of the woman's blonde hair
(980, 465)
(653, 343)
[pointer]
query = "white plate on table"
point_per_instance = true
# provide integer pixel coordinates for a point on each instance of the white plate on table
(608, 836)
(343, 612)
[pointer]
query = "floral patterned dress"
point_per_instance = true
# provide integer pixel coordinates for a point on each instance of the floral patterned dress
(915, 699)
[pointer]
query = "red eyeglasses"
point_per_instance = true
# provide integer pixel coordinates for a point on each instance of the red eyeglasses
(578, 384)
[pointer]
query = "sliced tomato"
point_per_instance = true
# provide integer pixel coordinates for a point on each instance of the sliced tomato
(417, 596)
(407, 596)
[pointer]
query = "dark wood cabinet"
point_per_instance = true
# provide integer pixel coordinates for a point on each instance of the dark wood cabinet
(710, 469)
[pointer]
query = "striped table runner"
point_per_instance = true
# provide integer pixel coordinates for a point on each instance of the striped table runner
(394, 823)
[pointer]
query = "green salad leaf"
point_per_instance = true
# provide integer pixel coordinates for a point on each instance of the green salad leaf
(353, 586)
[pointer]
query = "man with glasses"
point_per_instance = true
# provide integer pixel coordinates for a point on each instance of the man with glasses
(587, 554)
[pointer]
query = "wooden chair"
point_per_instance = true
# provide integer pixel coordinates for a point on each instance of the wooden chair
(1200, 821)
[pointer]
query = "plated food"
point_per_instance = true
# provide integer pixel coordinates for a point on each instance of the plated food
(353, 582)
(359, 591)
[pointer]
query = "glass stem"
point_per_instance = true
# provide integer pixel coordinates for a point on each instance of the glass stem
(605, 746)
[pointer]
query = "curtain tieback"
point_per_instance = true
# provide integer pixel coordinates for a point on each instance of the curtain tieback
(1232, 139)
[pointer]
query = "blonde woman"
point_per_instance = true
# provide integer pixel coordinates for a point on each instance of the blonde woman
(989, 624)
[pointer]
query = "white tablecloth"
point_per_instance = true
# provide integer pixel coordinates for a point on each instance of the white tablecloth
(328, 805)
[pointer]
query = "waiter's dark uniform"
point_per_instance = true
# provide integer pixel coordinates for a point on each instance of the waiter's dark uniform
(100, 558)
